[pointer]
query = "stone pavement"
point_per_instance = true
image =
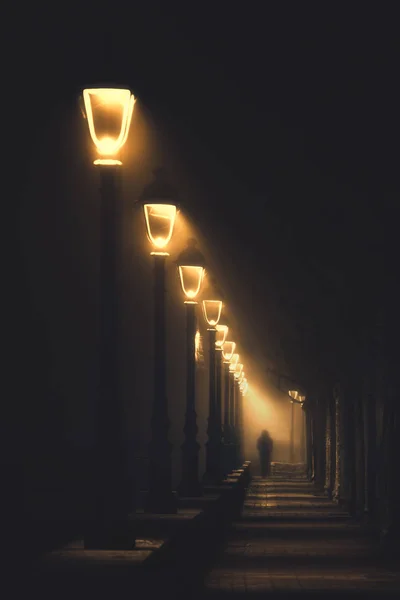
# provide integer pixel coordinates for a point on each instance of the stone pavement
(293, 539)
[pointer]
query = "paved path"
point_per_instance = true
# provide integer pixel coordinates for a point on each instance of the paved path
(292, 539)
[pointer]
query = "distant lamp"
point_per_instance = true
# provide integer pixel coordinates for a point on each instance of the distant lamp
(109, 113)
(222, 332)
(228, 348)
(160, 221)
(212, 311)
(238, 371)
(245, 387)
(191, 267)
(294, 394)
(234, 362)
(301, 400)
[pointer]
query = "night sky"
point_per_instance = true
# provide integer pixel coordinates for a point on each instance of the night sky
(285, 118)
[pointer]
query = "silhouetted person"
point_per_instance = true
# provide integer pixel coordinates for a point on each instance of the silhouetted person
(264, 447)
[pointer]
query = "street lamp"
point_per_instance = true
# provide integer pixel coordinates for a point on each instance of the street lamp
(191, 267)
(294, 394)
(238, 413)
(220, 337)
(108, 112)
(159, 205)
(212, 313)
(232, 408)
(301, 399)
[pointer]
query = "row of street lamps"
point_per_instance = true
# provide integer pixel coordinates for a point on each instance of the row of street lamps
(109, 112)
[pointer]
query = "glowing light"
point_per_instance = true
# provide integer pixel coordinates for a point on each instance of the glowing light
(245, 388)
(197, 346)
(160, 221)
(234, 362)
(238, 370)
(228, 349)
(293, 394)
(109, 114)
(191, 279)
(222, 332)
(212, 311)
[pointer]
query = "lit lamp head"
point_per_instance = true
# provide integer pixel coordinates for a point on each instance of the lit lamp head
(294, 394)
(191, 267)
(222, 332)
(233, 363)
(160, 209)
(238, 371)
(301, 400)
(245, 387)
(212, 312)
(228, 348)
(108, 112)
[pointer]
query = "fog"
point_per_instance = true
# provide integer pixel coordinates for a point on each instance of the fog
(59, 233)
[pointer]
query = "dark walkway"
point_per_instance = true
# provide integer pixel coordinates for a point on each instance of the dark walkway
(292, 539)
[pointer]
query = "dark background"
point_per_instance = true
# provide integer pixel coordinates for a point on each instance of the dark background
(284, 116)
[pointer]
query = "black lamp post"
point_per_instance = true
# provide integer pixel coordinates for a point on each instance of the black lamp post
(108, 527)
(159, 203)
(212, 313)
(302, 430)
(294, 394)
(191, 265)
(232, 410)
(241, 418)
(236, 376)
(228, 350)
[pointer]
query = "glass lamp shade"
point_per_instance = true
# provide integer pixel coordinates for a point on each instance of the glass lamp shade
(160, 221)
(238, 370)
(228, 348)
(212, 311)
(109, 113)
(222, 332)
(294, 394)
(191, 279)
(234, 362)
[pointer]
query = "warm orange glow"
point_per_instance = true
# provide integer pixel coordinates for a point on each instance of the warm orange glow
(160, 221)
(294, 394)
(238, 370)
(222, 332)
(234, 362)
(301, 398)
(212, 311)
(197, 345)
(228, 349)
(245, 388)
(109, 114)
(191, 279)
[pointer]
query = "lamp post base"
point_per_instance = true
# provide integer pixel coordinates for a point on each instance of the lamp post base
(162, 503)
(109, 536)
(190, 486)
